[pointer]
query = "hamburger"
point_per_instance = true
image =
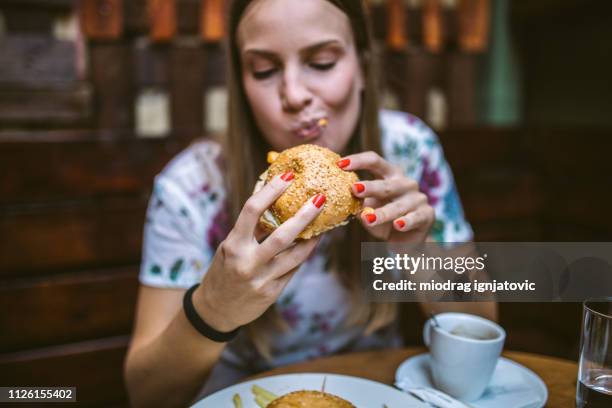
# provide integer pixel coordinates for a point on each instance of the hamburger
(310, 399)
(316, 172)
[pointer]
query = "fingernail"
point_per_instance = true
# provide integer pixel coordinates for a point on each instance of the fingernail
(343, 163)
(319, 200)
(371, 217)
(400, 223)
(288, 176)
(359, 187)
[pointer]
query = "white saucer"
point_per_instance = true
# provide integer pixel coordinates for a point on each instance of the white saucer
(512, 384)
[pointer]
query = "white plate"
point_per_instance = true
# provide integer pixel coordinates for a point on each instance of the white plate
(359, 391)
(512, 383)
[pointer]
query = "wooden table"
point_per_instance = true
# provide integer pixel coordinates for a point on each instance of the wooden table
(558, 374)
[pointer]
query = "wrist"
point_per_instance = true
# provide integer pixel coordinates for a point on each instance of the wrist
(205, 307)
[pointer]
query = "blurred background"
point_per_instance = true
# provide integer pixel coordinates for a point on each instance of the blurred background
(97, 95)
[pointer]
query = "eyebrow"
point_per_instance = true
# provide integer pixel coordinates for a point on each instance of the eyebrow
(307, 50)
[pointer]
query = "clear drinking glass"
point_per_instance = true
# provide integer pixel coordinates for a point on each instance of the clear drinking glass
(594, 389)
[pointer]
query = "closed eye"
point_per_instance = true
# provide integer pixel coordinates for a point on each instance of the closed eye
(264, 74)
(323, 67)
(260, 75)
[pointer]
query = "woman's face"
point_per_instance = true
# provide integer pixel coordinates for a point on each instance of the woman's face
(299, 66)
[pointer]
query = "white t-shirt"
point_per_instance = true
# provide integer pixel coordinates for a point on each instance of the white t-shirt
(187, 219)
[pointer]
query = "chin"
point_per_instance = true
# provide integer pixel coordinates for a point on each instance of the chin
(321, 142)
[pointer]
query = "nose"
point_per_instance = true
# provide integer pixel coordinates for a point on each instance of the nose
(294, 93)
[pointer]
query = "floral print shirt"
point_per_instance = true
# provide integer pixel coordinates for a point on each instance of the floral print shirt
(186, 220)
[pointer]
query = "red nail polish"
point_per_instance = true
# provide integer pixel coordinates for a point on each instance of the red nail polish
(343, 163)
(359, 187)
(400, 223)
(288, 176)
(371, 217)
(319, 200)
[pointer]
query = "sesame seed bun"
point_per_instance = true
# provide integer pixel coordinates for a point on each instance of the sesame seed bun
(315, 171)
(311, 399)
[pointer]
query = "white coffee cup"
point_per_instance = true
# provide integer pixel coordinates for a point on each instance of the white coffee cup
(464, 351)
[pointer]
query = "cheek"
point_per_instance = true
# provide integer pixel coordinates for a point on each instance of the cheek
(263, 103)
(342, 96)
(340, 88)
(265, 106)
(259, 97)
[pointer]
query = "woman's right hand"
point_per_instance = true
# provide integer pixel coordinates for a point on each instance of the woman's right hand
(246, 276)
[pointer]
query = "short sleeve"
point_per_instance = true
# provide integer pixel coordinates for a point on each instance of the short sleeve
(185, 220)
(410, 143)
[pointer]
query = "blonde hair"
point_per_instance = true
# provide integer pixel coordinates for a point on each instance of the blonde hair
(249, 149)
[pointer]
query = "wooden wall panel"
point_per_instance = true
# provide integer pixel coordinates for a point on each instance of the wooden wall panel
(34, 59)
(94, 367)
(474, 18)
(531, 327)
(461, 84)
(572, 152)
(474, 148)
(214, 66)
(74, 169)
(68, 105)
(577, 171)
(21, 20)
(151, 65)
(526, 228)
(56, 238)
(421, 72)
(501, 197)
(55, 4)
(580, 204)
(212, 24)
(162, 19)
(101, 19)
(187, 90)
(396, 36)
(67, 308)
(187, 12)
(433, 27)
(112, 77)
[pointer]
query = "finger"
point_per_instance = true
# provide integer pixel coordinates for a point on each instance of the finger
(421, 218)
(261, 232)
(394, 209)
(291, 258)
(280, 283)
(384, 189)
(282, 237)
(259, 202)
(370, 161)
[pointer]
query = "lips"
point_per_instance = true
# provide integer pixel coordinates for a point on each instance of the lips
(311, 129)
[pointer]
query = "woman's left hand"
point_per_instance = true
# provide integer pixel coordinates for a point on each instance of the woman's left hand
(401, 212)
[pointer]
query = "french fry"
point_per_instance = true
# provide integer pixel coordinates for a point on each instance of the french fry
(258, 391)
(271, 156)
(261, 401)
(237, 401)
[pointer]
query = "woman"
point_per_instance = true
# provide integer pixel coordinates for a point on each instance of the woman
(291, 63)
